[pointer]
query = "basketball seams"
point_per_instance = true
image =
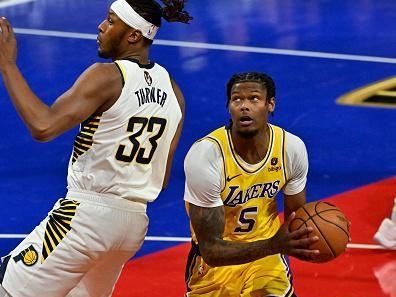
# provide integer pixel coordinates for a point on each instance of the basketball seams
(328, 225)
(320, 231)
(335, 208)
(303, 222)
(328, 221)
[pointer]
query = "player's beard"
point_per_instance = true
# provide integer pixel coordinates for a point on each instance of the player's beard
(247, 134)
(103, 54)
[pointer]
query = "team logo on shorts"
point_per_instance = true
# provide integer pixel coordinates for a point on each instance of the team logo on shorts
(274, 161)
(148, 78)
(28, 256)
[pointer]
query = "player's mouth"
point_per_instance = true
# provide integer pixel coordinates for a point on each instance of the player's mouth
(245, 121)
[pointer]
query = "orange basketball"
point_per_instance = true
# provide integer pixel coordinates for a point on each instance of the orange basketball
(329, 224)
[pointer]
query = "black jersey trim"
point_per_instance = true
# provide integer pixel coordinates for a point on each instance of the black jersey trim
(191, 263)
(145, 66)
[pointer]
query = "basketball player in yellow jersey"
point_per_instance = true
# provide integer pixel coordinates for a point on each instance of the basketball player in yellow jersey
(232, 178)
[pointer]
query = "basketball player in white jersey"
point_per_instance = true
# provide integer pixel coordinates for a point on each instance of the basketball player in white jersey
(232, 178)
(131, 115)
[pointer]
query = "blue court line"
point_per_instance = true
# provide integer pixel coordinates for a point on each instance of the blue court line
(222, 47)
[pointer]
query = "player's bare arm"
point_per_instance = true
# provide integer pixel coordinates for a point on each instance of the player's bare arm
(175, 141)
(94, 91)
(294, 202)
(208, 225)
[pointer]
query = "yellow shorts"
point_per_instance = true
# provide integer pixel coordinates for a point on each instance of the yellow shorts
(269, 276)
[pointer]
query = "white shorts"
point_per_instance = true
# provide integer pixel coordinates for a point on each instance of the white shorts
(79, 249)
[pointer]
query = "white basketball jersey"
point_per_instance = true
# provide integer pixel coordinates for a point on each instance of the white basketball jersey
(124, 150)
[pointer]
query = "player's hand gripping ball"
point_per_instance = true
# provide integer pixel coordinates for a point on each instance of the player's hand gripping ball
(329, 224)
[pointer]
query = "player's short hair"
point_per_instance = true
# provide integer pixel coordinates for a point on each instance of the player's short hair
(265, 80)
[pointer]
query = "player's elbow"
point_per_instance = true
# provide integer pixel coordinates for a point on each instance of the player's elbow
(210, 260)
(42, 134)
(45, 130)
(209, 256)
(213, 260)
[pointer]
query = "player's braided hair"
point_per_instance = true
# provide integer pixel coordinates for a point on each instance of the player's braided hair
(151, 11)
(266, 81)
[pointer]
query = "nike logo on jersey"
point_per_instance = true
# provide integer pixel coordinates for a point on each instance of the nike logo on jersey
(231, 178)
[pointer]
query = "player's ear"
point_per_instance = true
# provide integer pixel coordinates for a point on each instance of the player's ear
(134, 35)
(271, 104)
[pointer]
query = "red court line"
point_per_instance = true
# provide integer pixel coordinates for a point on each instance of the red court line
(367, 273)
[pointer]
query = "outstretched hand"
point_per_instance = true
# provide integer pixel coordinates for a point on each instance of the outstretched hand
(8, 44)
(296, 243)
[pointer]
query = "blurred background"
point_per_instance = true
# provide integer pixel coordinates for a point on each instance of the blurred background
(315, 50)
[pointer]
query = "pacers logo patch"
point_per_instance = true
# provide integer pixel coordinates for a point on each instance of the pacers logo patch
(28, 256)
(148, 78)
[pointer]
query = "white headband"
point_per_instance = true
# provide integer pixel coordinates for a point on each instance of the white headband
(130, 17)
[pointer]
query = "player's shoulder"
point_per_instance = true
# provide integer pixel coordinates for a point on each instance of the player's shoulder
(293, 141)
(101, 71)
(204, 146)
(203, 151)
(99, 66)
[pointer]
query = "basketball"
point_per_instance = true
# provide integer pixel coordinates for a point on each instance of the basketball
(329, 224)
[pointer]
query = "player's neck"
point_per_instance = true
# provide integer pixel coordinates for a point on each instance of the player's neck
(142, 56)
(251, 149)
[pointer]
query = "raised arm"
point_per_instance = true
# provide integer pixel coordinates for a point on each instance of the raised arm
(94, 91)
(208, 225)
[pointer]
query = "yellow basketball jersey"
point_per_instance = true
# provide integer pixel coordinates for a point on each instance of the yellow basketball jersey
(249, 194)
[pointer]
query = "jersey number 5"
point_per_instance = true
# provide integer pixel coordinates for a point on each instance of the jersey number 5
(145, 125)
(246, 222)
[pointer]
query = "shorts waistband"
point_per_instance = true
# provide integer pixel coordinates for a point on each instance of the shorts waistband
(107, 200)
